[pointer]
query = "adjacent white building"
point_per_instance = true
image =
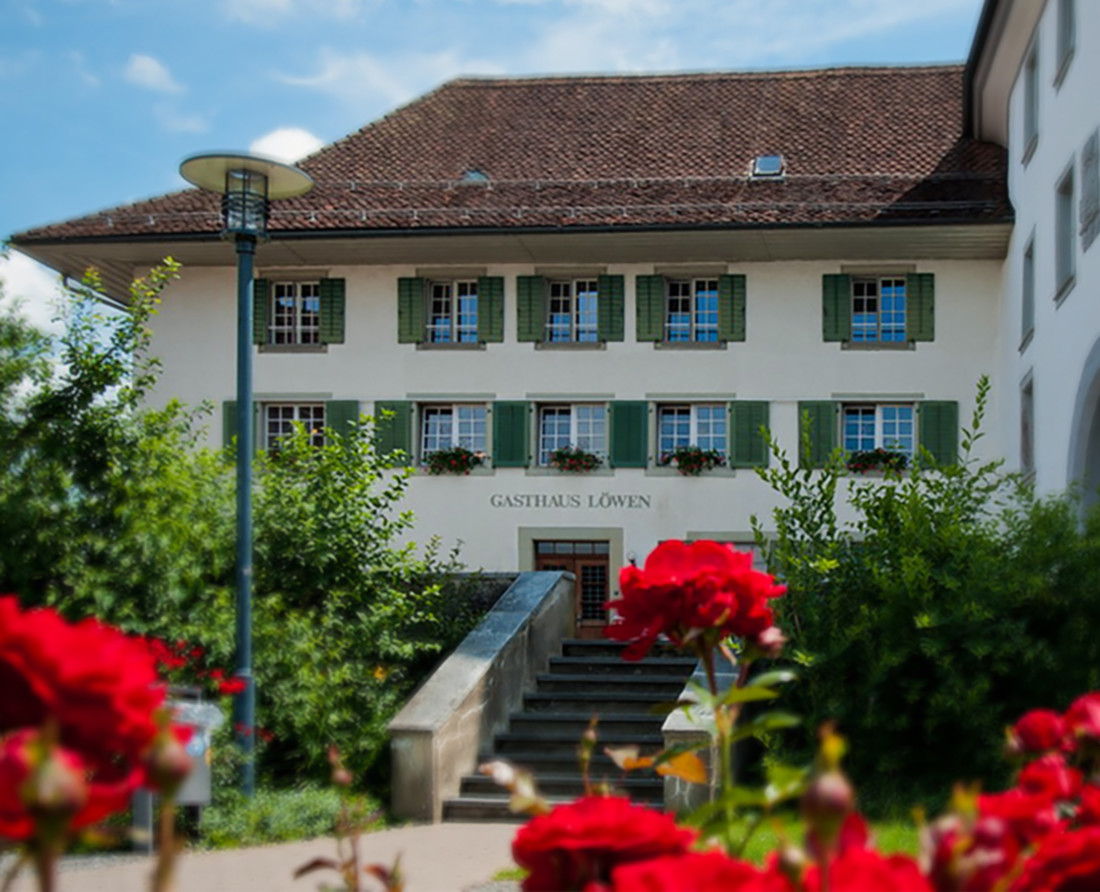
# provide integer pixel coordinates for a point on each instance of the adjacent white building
(632, 265)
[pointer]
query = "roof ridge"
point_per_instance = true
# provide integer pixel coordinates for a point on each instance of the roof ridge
(490, 80)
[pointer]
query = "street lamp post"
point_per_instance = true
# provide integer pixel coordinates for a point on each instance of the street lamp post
(247, 184)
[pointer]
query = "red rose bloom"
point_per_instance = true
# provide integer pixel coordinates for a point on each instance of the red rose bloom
(582, 842)
(100, 686)
(685, 588)
(1050, 776)
(698, 871)
(1088, 811)
(1028, 816)
(1039, 731)
(1083, 717)
(1064, 862)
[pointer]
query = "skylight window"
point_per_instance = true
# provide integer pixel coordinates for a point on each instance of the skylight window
(768, 167)
(475, 175)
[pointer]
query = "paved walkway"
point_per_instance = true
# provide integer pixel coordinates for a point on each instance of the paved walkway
(434, 857)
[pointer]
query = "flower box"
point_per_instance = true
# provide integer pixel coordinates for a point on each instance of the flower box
(574, 460)
(877, 460)
(691, 461)
(456, 460)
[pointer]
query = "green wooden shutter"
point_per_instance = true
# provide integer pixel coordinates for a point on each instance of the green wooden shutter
(629, 434)
(649, 297)
(229, 424)
(938, 422)
(490, 309)
(340, 415)
(394, 432)
(511, 434)
(531, 308)
(610, 300)
(411, 312)
(332, 311)
(822, 432)
(731, 307)
(836, 299)
(749, 448)
(920, 306)
(261, 306)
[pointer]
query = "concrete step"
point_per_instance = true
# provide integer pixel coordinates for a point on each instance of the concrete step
(599, 702)
(681, 667)
(481, 808)
(578, 647)
(600, 769)
(576, 723)
(668, 686)
(514, 744)
(641, 789)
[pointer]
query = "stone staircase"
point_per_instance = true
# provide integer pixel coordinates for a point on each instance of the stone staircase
(589, 678)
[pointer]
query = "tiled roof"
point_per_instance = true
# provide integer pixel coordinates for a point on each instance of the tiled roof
(861, 145)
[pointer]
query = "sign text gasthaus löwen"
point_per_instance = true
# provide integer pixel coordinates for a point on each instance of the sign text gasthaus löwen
(603, 500)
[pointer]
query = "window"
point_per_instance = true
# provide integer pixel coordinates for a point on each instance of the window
(1027, 427)
(463, 310)
(452, 316)
(1067, 37)
(580, 426)
(279, 420)
(887, 309)
(692, 311)
(295, 316)
(768, 167)
(573, 315)
(445, 427)
(702, 425)
(878, 310)
(1031, 103)
(1027, 288)
(885, 426)
(1064, 262)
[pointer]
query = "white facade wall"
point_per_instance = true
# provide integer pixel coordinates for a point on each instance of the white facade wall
(1066, 325)
(784, 359)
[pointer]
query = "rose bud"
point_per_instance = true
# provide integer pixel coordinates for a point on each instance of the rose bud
(769, 643)
(828, 800)
(168, 764)
(56, 788)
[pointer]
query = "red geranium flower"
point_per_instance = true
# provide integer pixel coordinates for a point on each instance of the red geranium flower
(1064, 862)
(1029, 816)
(698, 871)
(1088, 810)
(581, 842)
(98, 684)
(687, 589)
(1039, 731)
(232, 687)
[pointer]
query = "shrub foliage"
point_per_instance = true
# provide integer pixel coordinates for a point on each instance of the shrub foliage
(110, 507)
(952, 602)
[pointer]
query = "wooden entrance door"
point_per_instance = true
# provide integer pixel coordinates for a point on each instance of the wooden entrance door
(589, 563)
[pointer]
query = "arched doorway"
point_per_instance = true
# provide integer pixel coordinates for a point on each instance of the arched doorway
(1083, 465)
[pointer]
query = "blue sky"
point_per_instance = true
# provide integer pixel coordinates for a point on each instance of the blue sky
(101, 99)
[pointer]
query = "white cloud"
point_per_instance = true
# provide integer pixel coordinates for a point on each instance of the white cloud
(26, 284)
(78, 61)
(287, 144)
(175, 121)
(145, 71)
(361, 79)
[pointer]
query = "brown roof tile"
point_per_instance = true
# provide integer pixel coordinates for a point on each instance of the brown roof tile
(860, 144)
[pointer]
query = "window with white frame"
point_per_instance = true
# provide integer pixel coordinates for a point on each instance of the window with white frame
(692, 311)
(1064, 234)
(1027, 296)
(295, 313)
(452, 312)
(445, 427)
(878, 310)
(879, 426)
(1027, 426)
(279, 420)
(1031, 102)
(581, 426)
(1067, 36)
(701, 424)
(573, 315)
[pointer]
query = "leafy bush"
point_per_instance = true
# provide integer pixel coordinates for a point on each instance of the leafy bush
(953, 603)
(271, 816)
(108, 507)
